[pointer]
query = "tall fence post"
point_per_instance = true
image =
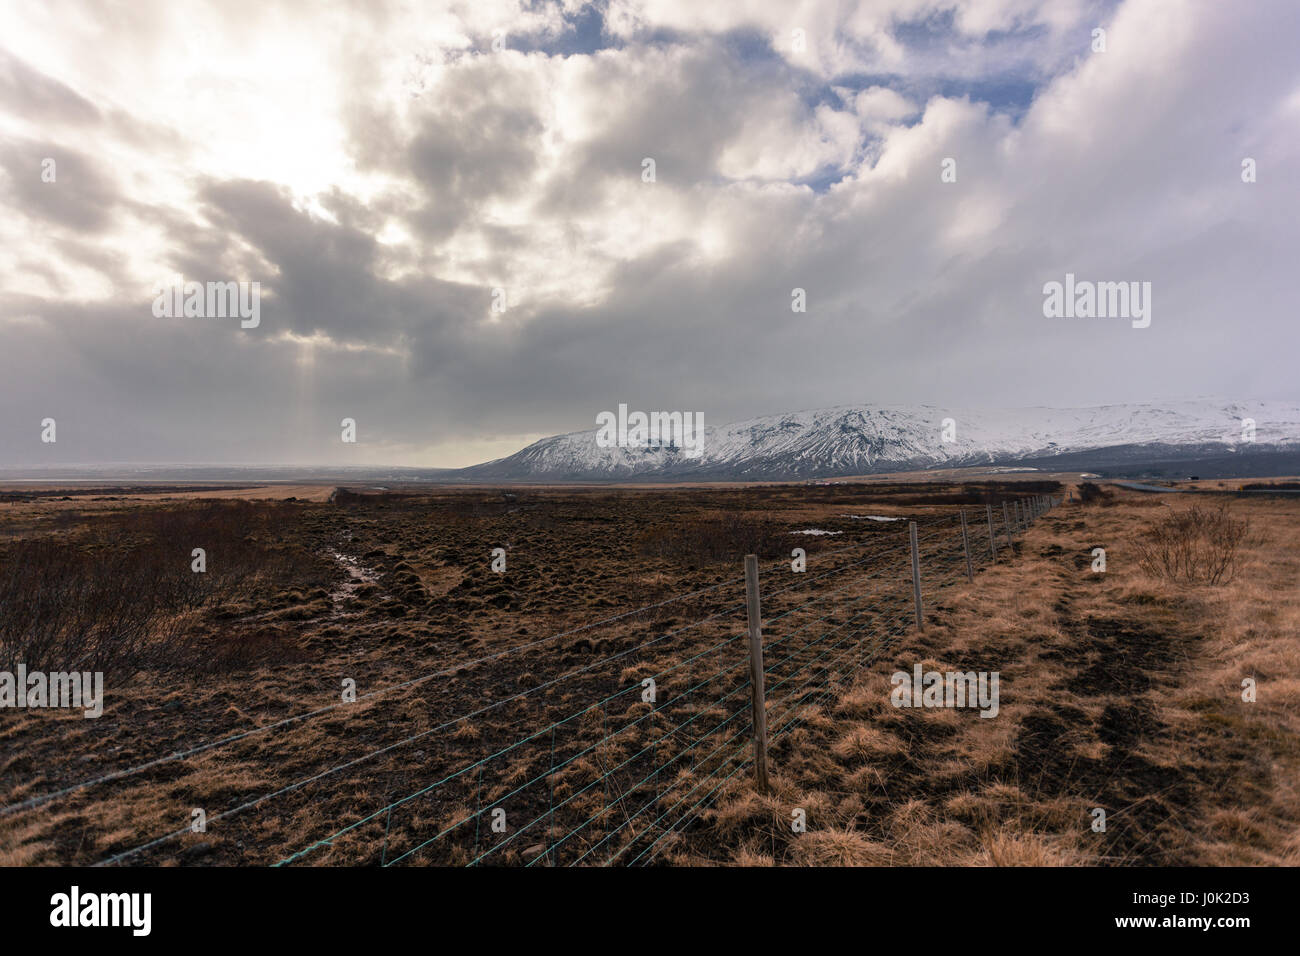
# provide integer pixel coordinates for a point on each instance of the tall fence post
(1006, 522)
(916, 574)
(965, 544)
(993, 538)
(756, 672)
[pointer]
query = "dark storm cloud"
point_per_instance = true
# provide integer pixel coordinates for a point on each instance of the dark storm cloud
(484, 149)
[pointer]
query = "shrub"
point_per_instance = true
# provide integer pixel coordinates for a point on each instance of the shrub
(1194, 546)
(1089, 492)
(121, 597)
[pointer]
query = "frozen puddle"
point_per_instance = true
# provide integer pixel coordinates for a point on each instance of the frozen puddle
(871, 517)
(816, 531)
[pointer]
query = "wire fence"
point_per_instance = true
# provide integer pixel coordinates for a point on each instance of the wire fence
(609, 761)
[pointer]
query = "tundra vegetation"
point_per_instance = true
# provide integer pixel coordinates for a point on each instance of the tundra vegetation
(1121, 690)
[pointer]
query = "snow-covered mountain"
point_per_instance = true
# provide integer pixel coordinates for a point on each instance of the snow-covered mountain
(865, 439)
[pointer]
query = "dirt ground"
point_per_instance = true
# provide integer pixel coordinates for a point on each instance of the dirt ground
(501, 718)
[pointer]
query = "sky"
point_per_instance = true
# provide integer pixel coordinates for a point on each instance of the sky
(458, 244)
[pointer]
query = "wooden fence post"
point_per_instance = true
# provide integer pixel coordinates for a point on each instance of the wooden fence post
(993, 538)
(916, 574)
(756, 673)
(965, 544)
(1006, 522)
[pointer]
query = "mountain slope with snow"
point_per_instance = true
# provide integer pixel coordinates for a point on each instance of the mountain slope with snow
(866, 439)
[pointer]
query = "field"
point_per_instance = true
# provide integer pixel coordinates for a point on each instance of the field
(504, 718)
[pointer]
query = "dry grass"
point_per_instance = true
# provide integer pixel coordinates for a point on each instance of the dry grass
(1120, 690)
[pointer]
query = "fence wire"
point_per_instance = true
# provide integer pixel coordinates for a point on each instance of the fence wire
(611, 761)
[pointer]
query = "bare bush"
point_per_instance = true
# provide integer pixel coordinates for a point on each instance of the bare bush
(65, 607)
(1194, 546)
(120, 595)
(1090, 492)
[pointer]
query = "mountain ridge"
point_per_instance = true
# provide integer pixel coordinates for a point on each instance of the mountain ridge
(873, 439)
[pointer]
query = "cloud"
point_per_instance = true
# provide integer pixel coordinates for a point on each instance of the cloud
(32, 94)
(387, 177)
(58, 186)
